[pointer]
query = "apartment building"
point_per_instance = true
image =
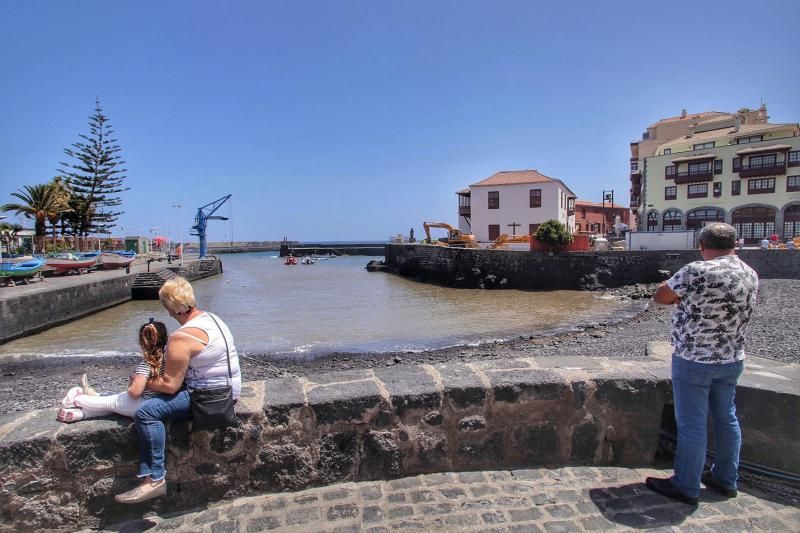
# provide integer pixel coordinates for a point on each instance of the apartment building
(731, 167)
(514, 202)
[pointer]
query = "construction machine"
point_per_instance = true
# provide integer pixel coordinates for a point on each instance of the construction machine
(502, 241)
(455, 237)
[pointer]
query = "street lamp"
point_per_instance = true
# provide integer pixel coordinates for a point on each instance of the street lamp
(180, 228)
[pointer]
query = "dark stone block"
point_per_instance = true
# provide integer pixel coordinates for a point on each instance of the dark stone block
(380, 458)
(585, 442)
(224, 440)
(343, 402)
(410, 387)
(489, 451)
(90, 442)
(342, 511)
(628, 393)
(472, 423)
(538, 444)
(336, 456)
(282, 467)
(527, 384)
(280, 397)
(434, 418)
(579, 391)
(433, 450)
(384, 419)
(462, 387)
(179, 435)
(207, 469)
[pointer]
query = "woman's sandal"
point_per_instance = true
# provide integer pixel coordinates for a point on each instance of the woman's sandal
(69, 415)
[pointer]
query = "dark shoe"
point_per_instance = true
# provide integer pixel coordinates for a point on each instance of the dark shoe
(709, 481)
(666, 488)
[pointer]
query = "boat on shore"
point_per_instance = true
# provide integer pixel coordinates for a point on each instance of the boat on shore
(27, 268)
(66, 262)
(112, 260)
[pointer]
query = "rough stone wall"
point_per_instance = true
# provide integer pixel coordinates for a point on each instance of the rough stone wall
(32, 312)
(356, 425)
(460, 267)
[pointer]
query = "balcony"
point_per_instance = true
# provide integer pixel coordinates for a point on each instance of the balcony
(465, 210)
(692, 176)
(634, 202)
(762, 169)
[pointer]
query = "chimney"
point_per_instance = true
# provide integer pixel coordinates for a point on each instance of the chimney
(762, 114)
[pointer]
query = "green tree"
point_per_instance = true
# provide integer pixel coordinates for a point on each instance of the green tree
(38, 201)
(8, 233)
(95, 177)
(554, 234)
(61, 203)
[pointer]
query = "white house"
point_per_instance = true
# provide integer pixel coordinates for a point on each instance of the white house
(514, 202)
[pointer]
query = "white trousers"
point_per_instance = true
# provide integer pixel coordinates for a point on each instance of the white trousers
(95, 406)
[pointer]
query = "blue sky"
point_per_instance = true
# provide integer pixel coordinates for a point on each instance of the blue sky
(346, 120)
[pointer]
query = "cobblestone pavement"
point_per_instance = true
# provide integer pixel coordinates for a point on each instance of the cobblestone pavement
(538, 500)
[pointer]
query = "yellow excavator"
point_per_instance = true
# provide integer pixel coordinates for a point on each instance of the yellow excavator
(502, 241)
(455, 237)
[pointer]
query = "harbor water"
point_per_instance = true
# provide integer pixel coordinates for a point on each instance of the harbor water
(332, 305)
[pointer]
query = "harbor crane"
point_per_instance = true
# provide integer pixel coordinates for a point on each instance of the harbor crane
(204, 214)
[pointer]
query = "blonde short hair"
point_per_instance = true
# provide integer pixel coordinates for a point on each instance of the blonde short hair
(177, 296)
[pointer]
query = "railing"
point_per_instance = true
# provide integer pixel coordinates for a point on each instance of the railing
(465, 210)
(696, 175)
(762, 169)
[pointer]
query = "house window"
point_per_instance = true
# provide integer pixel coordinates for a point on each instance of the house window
(583, 212)
(697, 190)
(751, 139)
(703, 146)
(736, 187)
(791, 222)
(494, 200)
(670, 171)
(737, 164)
(494, 231)
(532, 229)
(698, 168)
(792, 183)
(670, 193)
(761, 186)
(536, 197)
(717, 189)
(652, 221)
(696, 218)
(667, 151)
(718, 166)
(753, 223)
(794, 158)
(634, 166)
(762, 161)
(672, 220)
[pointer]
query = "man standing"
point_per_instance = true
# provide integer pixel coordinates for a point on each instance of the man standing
(714, 301)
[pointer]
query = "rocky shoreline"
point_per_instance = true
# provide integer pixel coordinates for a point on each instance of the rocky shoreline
(40, 383)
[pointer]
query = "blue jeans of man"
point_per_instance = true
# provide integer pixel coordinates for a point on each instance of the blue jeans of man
(149, 420)
(700, 389)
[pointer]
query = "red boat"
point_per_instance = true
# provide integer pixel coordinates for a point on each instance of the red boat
(291, 260)
(64, 263)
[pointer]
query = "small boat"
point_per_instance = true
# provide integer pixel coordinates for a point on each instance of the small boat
(88, 255)
(24, 269)
(290, 260)
(307, 261)
(66, 262)
(111, 260)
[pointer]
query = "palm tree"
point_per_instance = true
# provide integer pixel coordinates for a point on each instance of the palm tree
(62, 196)
(37, 202)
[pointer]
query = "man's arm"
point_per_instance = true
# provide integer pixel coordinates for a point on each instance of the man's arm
(180, 351)
(665, 295)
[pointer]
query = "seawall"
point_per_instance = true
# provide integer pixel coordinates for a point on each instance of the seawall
(462, 267)
(296, 433)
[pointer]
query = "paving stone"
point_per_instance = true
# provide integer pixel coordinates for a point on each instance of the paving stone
(225, 526)
(378, 530)
(529, 475)
(302, 516)
(494, 517)
(399, 512)
(238, 510)
(560, 511)
(525, 528)
(206, 517)
(346, 529)
(482, 490)
(453, 493)
(543, 499)
(342, 511)
(409, 524)
(769, 523)
(597, 523)
(337, 494)
(371, 514)
(371, 492)
(418, 496)
(648, 500)
(569, 496)
(479, 504)
(524, 515)
(436, 509)
(433, 480)
(262, 523)
(471, 477)
(396, 497)
(586, 508)
(273, 503)
(499, 475)
(560, 526)
(731, 525)
(511, 501)
(463, 520)
(404, 483)
(306, 499)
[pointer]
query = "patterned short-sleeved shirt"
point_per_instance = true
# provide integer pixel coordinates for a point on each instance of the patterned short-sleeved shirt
(717, 301)
(143, 369)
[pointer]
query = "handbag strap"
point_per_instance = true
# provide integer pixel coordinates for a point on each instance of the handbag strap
(227, 349)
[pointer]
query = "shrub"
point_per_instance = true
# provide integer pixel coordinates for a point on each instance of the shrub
(554, 234)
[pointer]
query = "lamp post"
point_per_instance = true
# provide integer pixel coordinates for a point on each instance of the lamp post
(180, 228)
(2, 217)
(608, 196)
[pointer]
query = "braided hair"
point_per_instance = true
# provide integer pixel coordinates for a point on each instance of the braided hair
(153, 341)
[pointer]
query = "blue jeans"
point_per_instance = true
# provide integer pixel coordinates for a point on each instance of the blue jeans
(149, 419)
(700, 389)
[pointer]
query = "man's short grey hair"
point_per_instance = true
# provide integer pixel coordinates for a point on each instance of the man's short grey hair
(718, 236)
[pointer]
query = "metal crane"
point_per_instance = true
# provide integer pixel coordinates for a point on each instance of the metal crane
(204, 214)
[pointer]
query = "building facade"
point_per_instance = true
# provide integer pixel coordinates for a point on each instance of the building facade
(597, 218)
(734, 168)
(515, 203)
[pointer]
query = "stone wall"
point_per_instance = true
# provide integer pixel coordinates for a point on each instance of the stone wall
(31, 312)
(357, 425)
(461, 267)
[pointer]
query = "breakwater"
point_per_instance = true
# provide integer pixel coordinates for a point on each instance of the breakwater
(295, 433)
(369, 249)
(461, 267)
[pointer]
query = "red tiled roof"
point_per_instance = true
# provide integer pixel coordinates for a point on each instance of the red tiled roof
(585, 203)
(770, 148)
(698, 157)
(514, 177)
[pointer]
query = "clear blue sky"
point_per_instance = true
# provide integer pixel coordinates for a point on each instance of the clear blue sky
(346, 120)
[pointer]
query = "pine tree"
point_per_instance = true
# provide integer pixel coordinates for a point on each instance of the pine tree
(95, 177)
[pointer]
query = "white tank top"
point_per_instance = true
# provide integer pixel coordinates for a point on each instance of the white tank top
(209, 368)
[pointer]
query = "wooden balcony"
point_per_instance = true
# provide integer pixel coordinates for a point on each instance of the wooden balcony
(689, 177)
(762, 169)
(465, 210)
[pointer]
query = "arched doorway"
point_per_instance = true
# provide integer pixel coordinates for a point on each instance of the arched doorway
(753, 223)
(791, 222)
(697, 218)
(672, 220)
(652, 221)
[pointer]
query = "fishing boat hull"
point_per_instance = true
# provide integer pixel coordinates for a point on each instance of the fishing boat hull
(25, 269)
(62, 265)
(111, 261)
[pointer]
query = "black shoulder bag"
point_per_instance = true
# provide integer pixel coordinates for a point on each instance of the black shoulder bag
(213, 408)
